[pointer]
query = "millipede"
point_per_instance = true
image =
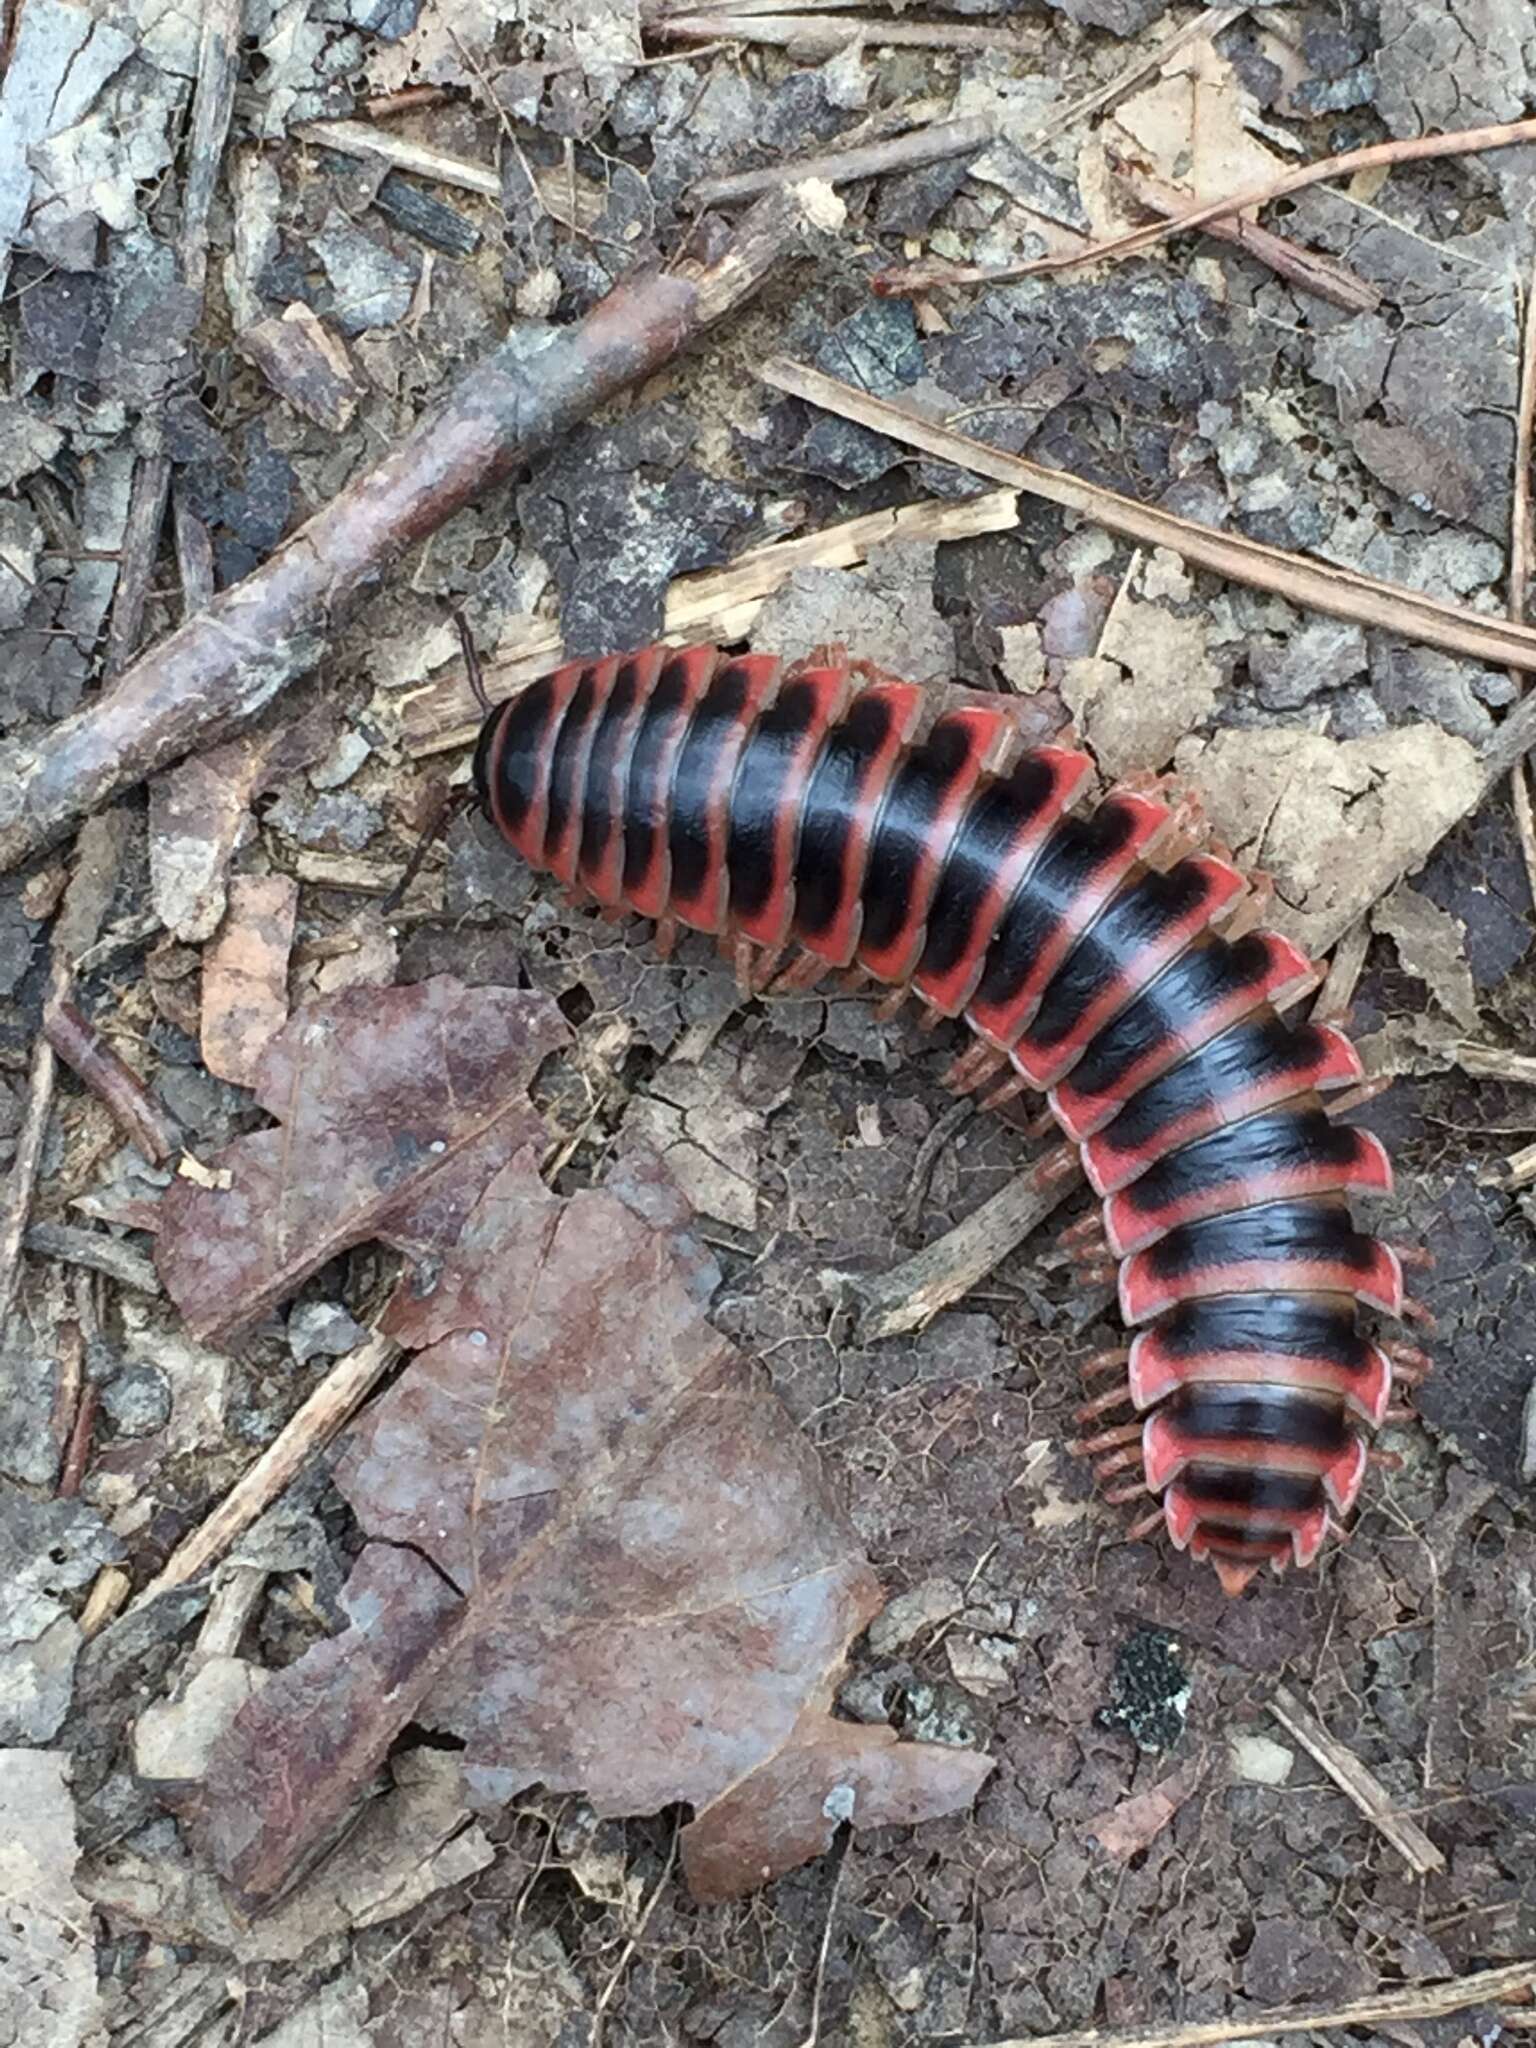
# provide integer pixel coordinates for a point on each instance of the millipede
(803, 816)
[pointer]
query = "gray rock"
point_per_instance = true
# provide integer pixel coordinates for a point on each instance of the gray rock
(28, 1450)
(137, 1401)
(1322, 655)
(321, 1329)
(373, 285)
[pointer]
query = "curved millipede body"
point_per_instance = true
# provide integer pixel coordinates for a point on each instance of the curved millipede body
(1101, 960)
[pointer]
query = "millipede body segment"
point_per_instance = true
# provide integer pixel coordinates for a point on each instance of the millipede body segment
(792, 812)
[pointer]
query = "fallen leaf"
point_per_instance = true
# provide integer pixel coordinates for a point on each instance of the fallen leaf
(47, 1959)
(603, 1559)
(200, 808)
(1334, 822)
(1152, 682)
(1432, 944)
(1135, 1823)
(245, 976)
(397, 1107)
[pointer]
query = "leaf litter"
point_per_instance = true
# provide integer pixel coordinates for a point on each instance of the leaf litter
(600, 1556)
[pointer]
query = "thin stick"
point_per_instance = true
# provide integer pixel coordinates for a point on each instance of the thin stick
(225, 665)
(919, 277)
(306, 1433)
(910, 1295)
(719, 603)
(1338, 991)
(1356, 1782)
(1520, 563)
(85, 1052)
(77, 1455)
(1303, 579)
(1306, 269)
(942, 139)
(17, 1200)
(1418, 2002)
(96, 1252)
(616, 1975)
(810, 36)
(213, 104)
(930, 144)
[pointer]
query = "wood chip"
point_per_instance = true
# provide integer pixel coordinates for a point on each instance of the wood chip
(245, 975)
(1356, 1782)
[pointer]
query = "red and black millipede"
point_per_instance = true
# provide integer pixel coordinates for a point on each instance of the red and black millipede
(792, 812)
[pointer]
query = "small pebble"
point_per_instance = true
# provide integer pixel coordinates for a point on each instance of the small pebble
(138, 1401)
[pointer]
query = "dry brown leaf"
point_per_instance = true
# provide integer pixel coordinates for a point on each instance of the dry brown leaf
(1335, 822)
(198, 810)
(1151, 684)
(1187, 128)
(1432, 944)
(245, 976)
(397, 1107)
(1135, 1823)
(604, 1559)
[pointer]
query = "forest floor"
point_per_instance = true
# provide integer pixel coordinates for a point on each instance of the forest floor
(1146, 1804)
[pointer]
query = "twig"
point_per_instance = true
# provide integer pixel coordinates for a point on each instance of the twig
(930, 144)
(720, 604)
(141, 543)
(1307, 269)
(575, 203)
(1418, 2002)
(213, 103)
(616, 1975)
(943, 139)
(824, 1949)
(17, 1200)
(808, 36)
(1356, 1782)
(85, 1052)
(1303, 579)
(910, 1295)
(77, 1454)
(222, 667)
(111, 1588)
(307, 1432)
(1338, 991)
(1520, 562)
(96, 1252)
(918, 277)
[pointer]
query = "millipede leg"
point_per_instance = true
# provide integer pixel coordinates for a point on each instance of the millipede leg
(1388, 1461)
(1398, 1411)
(766, 970)
(1409, 1363)
(801, 975)
(1140, 1530)
(1120, 1461)
(1357, 1098)
(1101, 1362)
(1087, 1230)
(1014, 1085)
(1117, 1496)
(1108, 1440)
(1094, 1272)
(1054, 1167)
(890, 1005)
(931, 1018)
(743, 957)
(1416, 1258)
(975, 1068)
(1102, 1404)
(1416, 1312)
(666, 937)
